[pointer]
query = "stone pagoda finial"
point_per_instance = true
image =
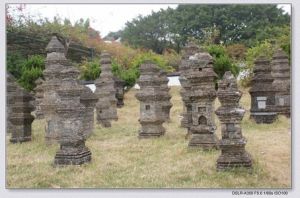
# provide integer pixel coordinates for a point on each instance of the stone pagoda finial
(19, 112)
(151, 99)
(281, 73)
(262, 93)
(230, 115)
(201, 78)
(105, 91)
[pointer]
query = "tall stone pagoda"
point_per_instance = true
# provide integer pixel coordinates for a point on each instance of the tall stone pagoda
(55, 63)
(281, 73)
(151, 99)
(230, 114)
(19, 112)
(119, 87)
(71, 120)
(167, 105)
(262, 93)
(189, 50)
(39, 95)
(105, 91)
(201, 78)
(88, 99)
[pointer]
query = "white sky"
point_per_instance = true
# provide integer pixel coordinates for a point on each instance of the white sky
(103, 17)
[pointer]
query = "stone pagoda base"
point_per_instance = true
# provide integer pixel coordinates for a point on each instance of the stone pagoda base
(151, 131)
(72, 156)
(233, 155)
(21, 133)
(205, 141)
(263, 117)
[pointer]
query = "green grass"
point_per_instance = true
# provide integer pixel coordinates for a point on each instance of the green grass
(120, 159)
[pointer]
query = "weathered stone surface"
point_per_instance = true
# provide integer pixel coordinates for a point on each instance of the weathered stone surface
(151, 99)
(281, 73)
(55, 63)
(230, 114)
(88, 99)
(19, 112)
(184, 66)
(166, 104)
(201, 78)
(119, 87)
(71, 117)
(39, 95)
(262, 93)
(11, 88)
(106, 107)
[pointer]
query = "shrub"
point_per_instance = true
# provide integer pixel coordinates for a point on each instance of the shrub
(14, 62)
(236, 51)
(31, 70)
(90, 70)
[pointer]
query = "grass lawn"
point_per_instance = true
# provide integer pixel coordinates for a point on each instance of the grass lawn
(120, 159)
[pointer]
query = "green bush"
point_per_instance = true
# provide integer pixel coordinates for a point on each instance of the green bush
(90, 70)
(32, 69)
(14, 62)
(222, 62)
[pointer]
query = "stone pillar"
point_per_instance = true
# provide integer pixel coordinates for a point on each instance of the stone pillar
(119, 87)
(71, 117)
(166, 104)
(19, 117)
(230, 115)
(281, 84)
(106, 106)
(201, 77)
(188, 51)
(151, 98)
(39, 95)
(262, 93)
(88, 99)
(55, 63)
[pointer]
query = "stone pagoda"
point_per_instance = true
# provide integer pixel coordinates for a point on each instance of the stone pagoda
(281, 73)
(105, 91)
(262, 93)
(119, 87)
(167, 105)
(230, 114)
(88, 99)
(71, 115)
(201, 78)
(39, 95)
(151, 99)
(55, 63)
(189, 50)
(19, 112)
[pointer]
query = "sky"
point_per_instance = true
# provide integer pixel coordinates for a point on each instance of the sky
(103, 17)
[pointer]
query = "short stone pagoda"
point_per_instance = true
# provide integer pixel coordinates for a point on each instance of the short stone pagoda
(189, 50)
(262, 92)
(19, 112)
(281, 73)
(166, 104)
(39, 95)
(119, 87)
(201, 78)
(88, 99)
(55, 63)
(230, 114)
(106, 106)
(71, 121)
(151, 99)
